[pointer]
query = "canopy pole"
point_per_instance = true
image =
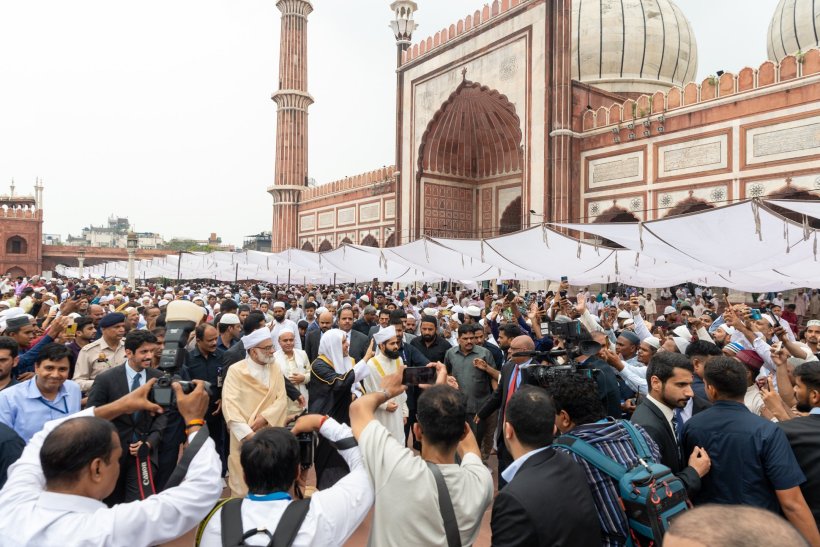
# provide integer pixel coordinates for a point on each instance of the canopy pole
(236, 275)
(288, 277)
(179, 265)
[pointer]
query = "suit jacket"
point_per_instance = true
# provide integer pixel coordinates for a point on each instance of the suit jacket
(650, 417)
(358, 345)
(804, 438)
(112, 384)
(527, 512)
(312, 344)
(499, 397)
(699, 404)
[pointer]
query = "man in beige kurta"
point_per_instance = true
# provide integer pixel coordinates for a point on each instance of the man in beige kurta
(253, 397)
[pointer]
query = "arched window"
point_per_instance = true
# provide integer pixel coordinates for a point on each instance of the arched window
(325, 246)
(307, 246)
(370, 241)
(16, 245)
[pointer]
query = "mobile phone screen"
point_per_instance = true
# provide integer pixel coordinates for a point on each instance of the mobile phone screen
(413, 376)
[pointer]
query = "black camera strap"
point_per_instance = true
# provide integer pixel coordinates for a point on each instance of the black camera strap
(145, 475)
(187, 456)
(286, 531)
(448, 514)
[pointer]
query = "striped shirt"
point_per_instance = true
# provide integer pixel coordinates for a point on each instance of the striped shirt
(612, 439)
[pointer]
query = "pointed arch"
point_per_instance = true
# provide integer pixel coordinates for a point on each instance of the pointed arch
(391, 241)
(370, 241)
(16, 245)
(689, 205)
(325, 246)
(511, 217)
(307, 246)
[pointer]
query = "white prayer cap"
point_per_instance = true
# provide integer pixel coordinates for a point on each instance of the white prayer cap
(286, 329)
(255, 338)
(320, 310)
(628, 322)
(731, 330)
(682, 332)
(457, 309)
(473, 311)
(279, 304)
(432, 312)
(229, 319)
(769, 319)
(652, 341)
(680, 343)
(813, 323)
(623, 314)
(384, 334)
(669, 309)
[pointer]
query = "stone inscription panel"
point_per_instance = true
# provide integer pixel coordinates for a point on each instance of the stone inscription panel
(346, 216)
(783, 141)
(617, 169)
(369, 212)
(389, 208)
(326, 219)
(307, 223)
(695, 156)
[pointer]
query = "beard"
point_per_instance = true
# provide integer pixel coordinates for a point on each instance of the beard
(264, 359)
(391, 354)
(803, 406)
(428, 337)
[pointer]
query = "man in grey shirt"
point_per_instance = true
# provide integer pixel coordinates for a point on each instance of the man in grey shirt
(473, 381)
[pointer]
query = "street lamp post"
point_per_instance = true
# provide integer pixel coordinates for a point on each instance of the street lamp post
(403, 26)
(81, 261)
(131, 245)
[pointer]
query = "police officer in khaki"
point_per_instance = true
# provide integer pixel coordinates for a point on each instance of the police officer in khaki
(106, 352)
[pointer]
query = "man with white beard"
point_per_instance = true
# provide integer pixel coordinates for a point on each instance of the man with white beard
(253, 397)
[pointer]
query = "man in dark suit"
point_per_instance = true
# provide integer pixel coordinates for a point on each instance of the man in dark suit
(139, 433)
(804, 432)
(669, 377)
(358, 341)
(513, 375)
(527, 511)
(314, 336)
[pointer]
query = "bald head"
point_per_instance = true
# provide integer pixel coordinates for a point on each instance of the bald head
(718, 526)
(325, 321)
(520, 343)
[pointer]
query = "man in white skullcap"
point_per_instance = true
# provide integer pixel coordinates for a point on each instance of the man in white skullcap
(253, 397)
(280, 323)
(391, 414)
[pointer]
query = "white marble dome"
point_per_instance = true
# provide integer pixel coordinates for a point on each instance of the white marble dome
(632, 46)
(795, 27)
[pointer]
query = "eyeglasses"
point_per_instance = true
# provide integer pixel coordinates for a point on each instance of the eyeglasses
(267, 349)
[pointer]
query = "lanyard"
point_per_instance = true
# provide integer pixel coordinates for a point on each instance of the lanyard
(63, 411)
(273, 496)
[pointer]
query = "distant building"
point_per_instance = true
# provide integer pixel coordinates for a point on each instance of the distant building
(213, 243)
(259, 242)
(115, 234)
(21, 232)
(52, 239)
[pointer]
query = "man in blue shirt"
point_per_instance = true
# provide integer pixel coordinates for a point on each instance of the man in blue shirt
(27, 406)
(752, 462)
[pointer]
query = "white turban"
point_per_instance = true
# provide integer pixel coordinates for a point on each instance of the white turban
(255, 338)
(279, 304)
(286, 329)
(384, 334)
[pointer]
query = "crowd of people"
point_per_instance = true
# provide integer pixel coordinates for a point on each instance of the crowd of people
(404, 401)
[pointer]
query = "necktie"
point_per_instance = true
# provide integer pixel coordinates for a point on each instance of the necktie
(513, 385)
(677, 424)
(135, 384)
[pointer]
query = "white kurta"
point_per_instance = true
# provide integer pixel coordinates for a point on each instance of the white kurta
(380, 366)
(300, 364)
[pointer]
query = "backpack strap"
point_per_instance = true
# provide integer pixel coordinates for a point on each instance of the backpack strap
(448, 514)
(592, 456)
(638, 441)
(231, 520)
(202, 525)
(290, 523)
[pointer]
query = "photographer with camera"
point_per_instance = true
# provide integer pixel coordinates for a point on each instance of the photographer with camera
(272, 464)
(140, 432)
(53, 493)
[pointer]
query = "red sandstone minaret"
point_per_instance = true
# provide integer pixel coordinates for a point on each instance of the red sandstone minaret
(292, 101)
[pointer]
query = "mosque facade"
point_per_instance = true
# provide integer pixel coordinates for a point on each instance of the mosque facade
(531, 111)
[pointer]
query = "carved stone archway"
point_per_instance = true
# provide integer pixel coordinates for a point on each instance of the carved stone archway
(370, 241)
(325, 246)
(614, 214)
(689, 205)
(470, 165)
(16, 245)
(307, 246)
(511, 218)
(391, 241)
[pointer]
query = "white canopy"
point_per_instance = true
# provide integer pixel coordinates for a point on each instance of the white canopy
(745, 246)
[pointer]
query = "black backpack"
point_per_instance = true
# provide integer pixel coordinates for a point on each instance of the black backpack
(234, 535)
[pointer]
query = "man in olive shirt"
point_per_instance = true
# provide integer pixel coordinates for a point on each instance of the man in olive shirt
(473, 381)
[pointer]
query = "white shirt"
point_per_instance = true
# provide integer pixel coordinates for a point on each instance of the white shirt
(277, 328)
(753, 400)
(334, 513)
(407, 508)
(513, 468)
(33, 516)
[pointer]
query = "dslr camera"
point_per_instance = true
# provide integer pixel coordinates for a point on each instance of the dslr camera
(305, 442)
(182, 317)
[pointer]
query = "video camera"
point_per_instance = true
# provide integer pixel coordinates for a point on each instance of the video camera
(181, 318)
(305, 442)
(574, 347)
